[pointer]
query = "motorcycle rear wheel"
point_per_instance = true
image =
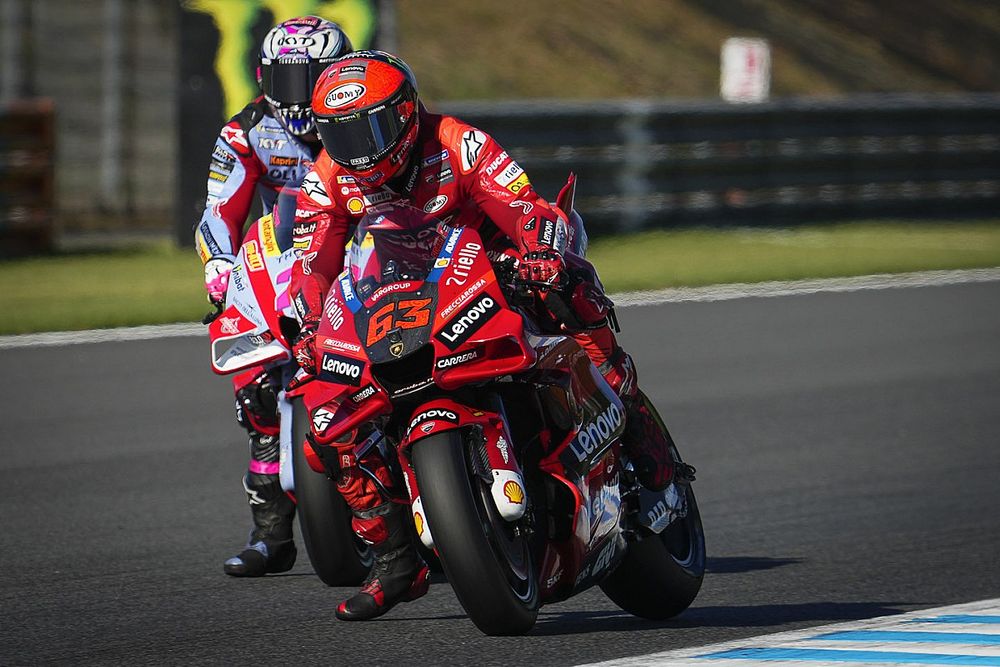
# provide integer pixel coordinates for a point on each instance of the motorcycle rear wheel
(337, 555)
(661, 574)
(486, 560)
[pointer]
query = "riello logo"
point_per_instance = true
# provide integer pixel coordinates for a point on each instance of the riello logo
(343, 95)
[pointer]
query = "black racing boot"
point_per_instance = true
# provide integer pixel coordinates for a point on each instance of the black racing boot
(270, 548)
(647, 443)
(398, 574)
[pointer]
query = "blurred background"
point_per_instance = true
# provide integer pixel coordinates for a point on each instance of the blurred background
(861, 108)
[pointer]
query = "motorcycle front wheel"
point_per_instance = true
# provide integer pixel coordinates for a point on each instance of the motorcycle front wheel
(338, 556)
(487, 560)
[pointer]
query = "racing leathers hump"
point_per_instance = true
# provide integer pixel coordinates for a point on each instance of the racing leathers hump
(457, 172)
(253, 152)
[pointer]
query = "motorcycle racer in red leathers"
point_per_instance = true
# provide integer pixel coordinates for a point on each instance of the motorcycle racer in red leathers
(382, 145)
(269, 145)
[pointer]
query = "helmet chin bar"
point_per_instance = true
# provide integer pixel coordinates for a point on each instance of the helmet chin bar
(296, 119)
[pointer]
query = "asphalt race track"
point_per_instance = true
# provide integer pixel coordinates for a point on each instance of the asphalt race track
(848, 455)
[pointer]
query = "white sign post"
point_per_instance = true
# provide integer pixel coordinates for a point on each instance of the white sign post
(746, 70)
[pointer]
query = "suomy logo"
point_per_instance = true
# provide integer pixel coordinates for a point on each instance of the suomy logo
(343, 95)
(597, 433)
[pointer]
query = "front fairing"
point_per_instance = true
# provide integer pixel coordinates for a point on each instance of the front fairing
(249, 331)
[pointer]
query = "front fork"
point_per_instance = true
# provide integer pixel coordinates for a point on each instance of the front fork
(492, 447)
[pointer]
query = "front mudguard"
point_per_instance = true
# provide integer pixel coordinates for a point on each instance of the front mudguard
(496, 460)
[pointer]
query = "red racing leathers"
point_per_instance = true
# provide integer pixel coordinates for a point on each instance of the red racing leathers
(465, 178)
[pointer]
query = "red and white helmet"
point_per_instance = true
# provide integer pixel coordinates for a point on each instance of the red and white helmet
(292, 56)
(367, 113)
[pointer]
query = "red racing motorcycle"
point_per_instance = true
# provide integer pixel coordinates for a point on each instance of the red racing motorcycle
(507, 436)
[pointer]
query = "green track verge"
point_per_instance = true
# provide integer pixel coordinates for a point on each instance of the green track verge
(158, 283)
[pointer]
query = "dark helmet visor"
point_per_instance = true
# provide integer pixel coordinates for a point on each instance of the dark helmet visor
(290, 82)
(361, 139)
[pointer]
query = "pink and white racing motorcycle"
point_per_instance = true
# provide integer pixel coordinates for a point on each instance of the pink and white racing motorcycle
(256, 329)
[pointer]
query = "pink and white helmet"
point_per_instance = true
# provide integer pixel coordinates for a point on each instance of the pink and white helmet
(293, 55)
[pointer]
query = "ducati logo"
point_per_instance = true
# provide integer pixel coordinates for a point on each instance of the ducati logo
(396, 349)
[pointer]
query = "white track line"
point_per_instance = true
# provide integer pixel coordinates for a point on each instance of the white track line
(877, 641)
(621, 299)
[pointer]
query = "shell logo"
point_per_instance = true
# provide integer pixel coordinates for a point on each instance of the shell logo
(514, 492)
(418, 522)
(355, 205)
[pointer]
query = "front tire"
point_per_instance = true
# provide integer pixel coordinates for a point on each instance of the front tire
(338, 556)
(486, 559)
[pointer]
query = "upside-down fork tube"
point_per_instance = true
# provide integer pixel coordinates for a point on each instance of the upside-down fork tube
(443, 415)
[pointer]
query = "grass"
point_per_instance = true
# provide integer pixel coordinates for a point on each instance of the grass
(160, 283)
(702, 257)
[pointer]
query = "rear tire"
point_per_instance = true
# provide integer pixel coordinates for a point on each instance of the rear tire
(661, 574)
(338, 556)
(488, 564)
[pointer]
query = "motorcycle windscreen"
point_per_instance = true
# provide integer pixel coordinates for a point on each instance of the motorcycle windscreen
(393, 244)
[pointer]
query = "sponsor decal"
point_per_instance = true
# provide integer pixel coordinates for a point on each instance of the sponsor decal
(313, 188)
(281, 161)
(350, 298)
(389, 289)
(230, 325)
(236, 277)
(435, 204)
(254, 260)
(441, 262)
(373, 198)
(519, 184)
(449, 247)
(345, 180)
(333, 312)
(465, 258)
(396, 348)
(472, 143)
(428, 427)
(554, 579)
(267, 237)
(438, 414)
(497, 161)
(296, 41)
(462, 298)
(343, 95)
(530, 224)
(444, 176)
(342, 370)
(371, 178)
(434, 159)
(456, 360)
(223, 155)
(593, 436)
(548, 233)
(262, 339)
(217, 176)
(418, 523)
(468, 321)
(514, 492)
(355, 205)
(508, 175)
(271, 143)
(221, 167)
(367, 392)
(322, 419)
(235, 137)
(503, 447)
(336, 344)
